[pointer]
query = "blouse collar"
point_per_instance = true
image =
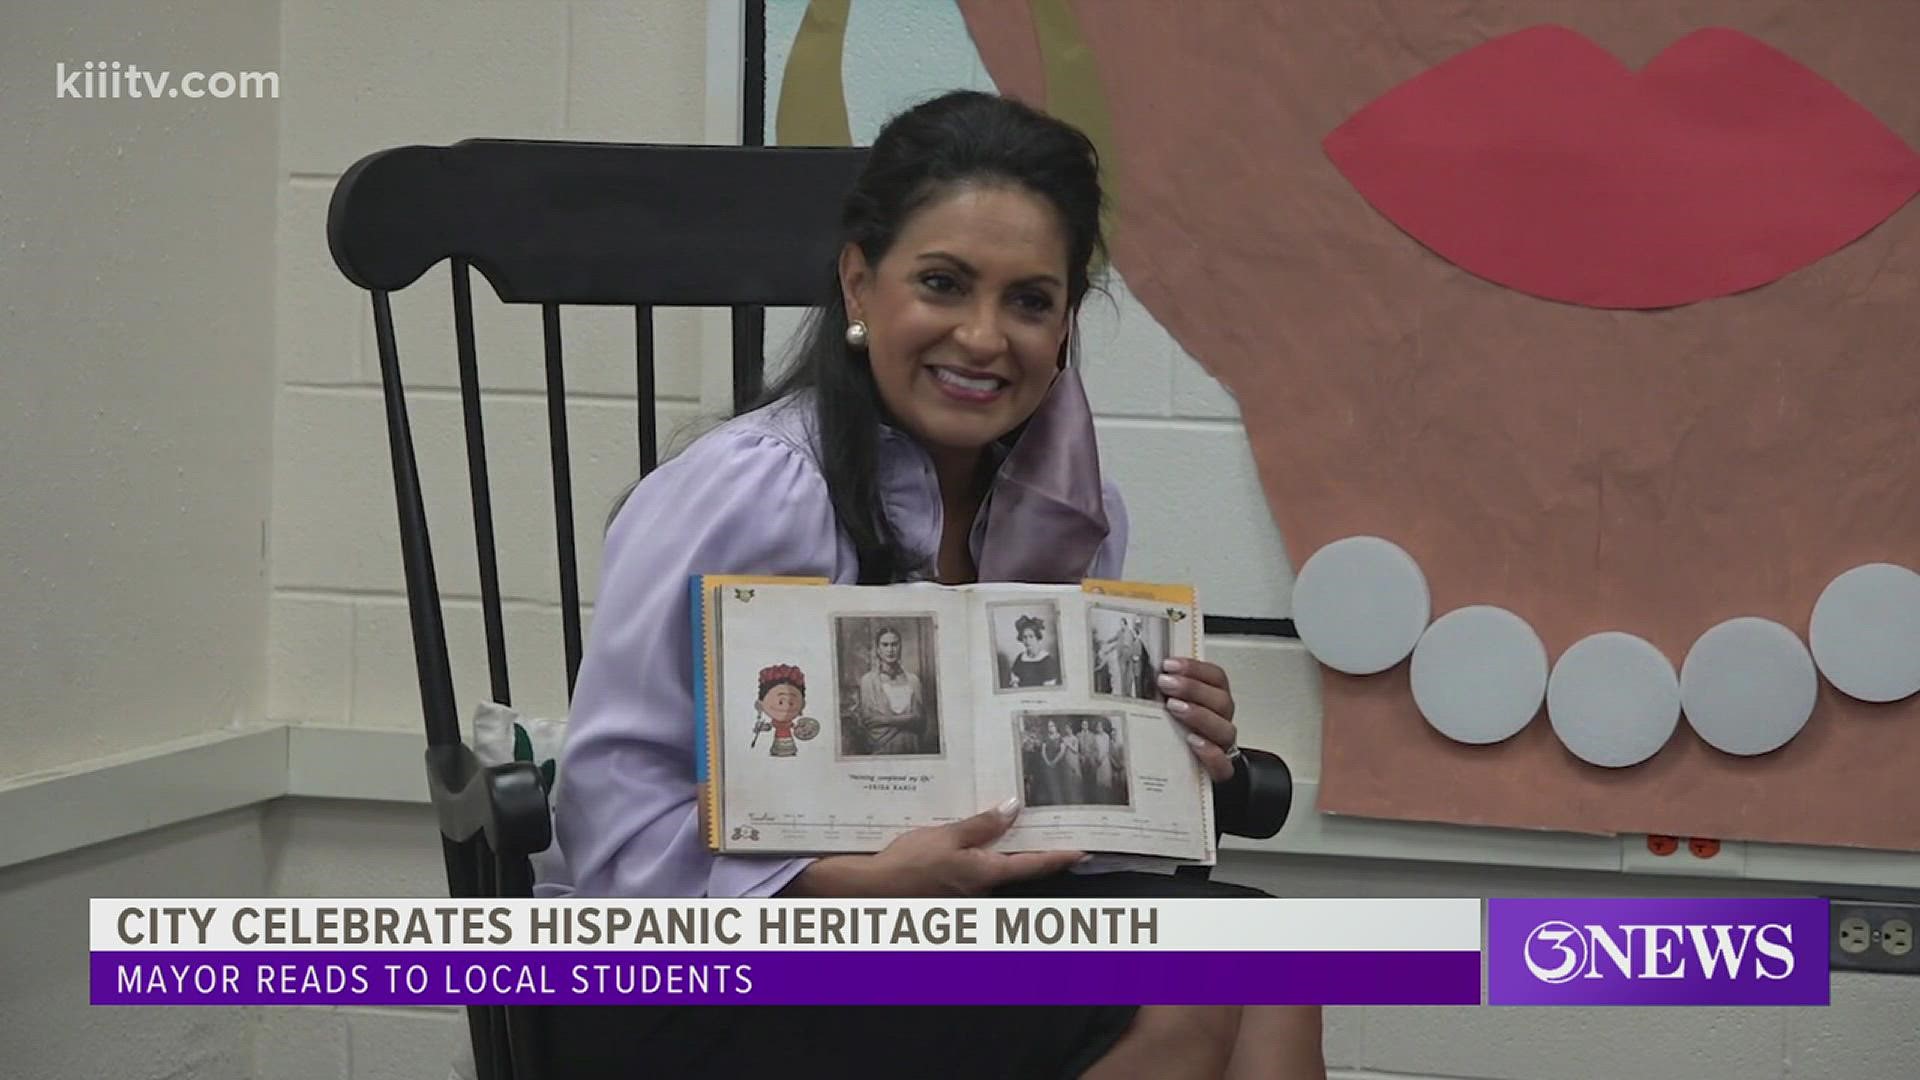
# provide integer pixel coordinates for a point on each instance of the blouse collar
(1044, 517)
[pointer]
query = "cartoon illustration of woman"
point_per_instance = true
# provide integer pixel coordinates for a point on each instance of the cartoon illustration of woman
(1036, 665)
(783, 694)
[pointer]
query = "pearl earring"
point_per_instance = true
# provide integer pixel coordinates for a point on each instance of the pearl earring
(857, 334)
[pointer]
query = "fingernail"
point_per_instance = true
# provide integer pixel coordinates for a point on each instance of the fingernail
(1169, 683)
(1083, 860)
(1009, 808)
(1197, 742)
(1177, 707)
(1174, 664)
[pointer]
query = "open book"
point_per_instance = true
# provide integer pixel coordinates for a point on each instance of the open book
(833, 718)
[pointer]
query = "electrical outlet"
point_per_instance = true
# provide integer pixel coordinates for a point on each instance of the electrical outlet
(1856, 935)
(1896, 937)
(1874, 935)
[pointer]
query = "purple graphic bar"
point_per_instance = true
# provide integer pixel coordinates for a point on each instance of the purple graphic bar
(476, 977)
(1658, 952)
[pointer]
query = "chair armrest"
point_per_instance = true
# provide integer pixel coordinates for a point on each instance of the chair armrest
(506, 802)
(1256, 801)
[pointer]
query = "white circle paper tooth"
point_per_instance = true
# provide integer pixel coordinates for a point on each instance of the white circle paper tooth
(1360, 605)
(1748, 686)
(1479, 674)
(1865, 632)
(1613, 699)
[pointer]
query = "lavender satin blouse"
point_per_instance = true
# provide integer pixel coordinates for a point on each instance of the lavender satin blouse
(748, 498)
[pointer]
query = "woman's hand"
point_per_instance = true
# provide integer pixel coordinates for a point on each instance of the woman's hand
(1199, 697)
(940, 860)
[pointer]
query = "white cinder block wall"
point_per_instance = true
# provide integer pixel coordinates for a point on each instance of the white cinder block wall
(435, 73)
(136, 341)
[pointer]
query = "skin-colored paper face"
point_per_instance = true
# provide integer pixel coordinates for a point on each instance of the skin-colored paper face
(1653, 472)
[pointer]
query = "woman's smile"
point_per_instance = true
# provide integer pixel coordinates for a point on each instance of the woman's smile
(973, 388)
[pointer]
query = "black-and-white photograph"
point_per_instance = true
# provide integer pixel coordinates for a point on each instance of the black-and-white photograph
(1026, 646)
(1073, 759)
(1127, 649)
(887, 671)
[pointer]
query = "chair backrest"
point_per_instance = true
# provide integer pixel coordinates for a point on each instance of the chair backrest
(554, 224)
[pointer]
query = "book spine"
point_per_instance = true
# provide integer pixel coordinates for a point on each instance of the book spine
(705, 736)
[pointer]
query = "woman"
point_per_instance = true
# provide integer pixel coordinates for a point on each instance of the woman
(1053, 778)
(1117, 759)
(1035, 666)
(1073, 784)
(930, 428)
(1103, 786)
(890, 714)
(1087, 740)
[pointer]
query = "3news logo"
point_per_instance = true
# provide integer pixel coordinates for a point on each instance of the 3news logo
(1560, 952)
(1657, 952)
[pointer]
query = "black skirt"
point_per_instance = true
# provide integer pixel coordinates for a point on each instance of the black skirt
(934, 1042)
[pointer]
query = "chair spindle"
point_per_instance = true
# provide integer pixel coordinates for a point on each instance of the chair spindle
(643, 364)
(423, 592)
(749, 331)
(562, 493)
(477, 480)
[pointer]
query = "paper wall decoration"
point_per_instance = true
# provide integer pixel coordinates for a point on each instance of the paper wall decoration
(1613, 700)
(1479, 674)
(1540, 161)
(1654, 473)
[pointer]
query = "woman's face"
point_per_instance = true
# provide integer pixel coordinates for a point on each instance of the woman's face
(1031, 639)
(888, 648)
(783, 702)
(965, 314)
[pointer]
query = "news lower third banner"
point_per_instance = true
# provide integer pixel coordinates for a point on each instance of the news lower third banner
(1672, 952)
(785, 952)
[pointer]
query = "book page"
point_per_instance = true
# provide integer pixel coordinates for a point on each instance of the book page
(875, 740)
(1072, 722)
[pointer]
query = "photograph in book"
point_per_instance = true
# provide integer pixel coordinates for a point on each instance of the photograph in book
(1026, 646)
(1127, 648)
(1073, 759)
(887, 669)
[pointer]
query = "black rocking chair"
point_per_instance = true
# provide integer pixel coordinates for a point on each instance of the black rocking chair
(552, 224)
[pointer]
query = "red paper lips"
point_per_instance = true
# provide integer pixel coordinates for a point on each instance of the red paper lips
(1540, 162)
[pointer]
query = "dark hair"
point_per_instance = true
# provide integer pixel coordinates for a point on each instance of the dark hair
(1028, 622)
(957, 138)
(782, 675)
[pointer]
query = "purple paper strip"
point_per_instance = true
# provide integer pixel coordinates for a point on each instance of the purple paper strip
(475, 977)
(1658, 952)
